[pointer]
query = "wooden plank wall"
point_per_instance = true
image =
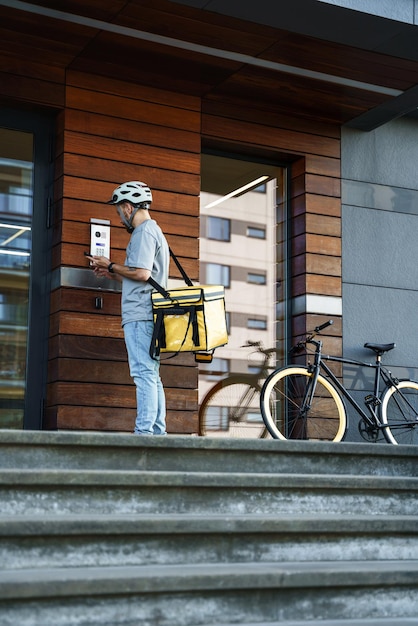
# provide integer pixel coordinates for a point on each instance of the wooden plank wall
(312, 152)
(106, 137)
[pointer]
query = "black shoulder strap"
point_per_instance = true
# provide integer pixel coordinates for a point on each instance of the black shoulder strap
(181, 270)
(186, 279)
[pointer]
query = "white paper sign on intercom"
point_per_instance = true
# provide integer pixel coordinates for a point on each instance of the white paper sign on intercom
(100, 237)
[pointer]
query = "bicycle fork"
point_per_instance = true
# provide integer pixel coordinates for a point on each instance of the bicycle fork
(311, 385)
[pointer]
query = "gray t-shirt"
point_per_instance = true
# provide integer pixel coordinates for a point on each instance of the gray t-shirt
(147, 249)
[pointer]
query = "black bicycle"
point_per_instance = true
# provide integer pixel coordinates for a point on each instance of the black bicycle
(305, 401)
(231, 408)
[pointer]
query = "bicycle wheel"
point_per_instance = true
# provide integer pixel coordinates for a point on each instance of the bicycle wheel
(232, 409)
(399, 410)
(284, 412)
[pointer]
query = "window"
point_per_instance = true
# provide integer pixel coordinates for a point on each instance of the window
(219, 228)
(257, 233)
(215, 370)
(256, 279)
(217, 274)
(257, 324)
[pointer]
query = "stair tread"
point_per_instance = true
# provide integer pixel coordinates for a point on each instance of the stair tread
(217, 523)
(26, 583)
(371, 621)
(145, 478)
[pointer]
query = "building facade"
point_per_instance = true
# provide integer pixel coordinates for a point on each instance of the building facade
(198, 98)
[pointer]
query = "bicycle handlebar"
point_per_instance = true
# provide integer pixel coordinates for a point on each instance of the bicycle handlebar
(309, 337)
(322, 326)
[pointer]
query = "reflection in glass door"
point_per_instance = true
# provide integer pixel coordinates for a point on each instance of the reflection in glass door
(16, 207)
(243, 246)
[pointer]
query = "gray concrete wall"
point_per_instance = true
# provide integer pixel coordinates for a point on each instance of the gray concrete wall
(380, 246)
(399, 10)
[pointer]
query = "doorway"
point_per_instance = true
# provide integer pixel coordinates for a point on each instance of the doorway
(243, 246)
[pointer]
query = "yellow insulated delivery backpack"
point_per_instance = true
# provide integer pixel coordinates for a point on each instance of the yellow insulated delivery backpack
(188, 319)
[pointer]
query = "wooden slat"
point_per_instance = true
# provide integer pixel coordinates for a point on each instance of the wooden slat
(316, 224)
(89, 324)
(73, 254)
(107, 419)
(323, 225)
(131, 109)
(110, 349)
(282, 140)
(111, 395)
(128, 130)
(77, 346)
(28, 67)
(341, 60)
(144, 93)
(324, 185)
(316, 264)
(323, 245)
(302, 323)
(110, 149)
(80, 232)
(239, 109)
(316, 284)
(324, 166)
(81, 208)
(324, 285)
(104, 371)
(75, 185)
(322, 205)
(83, 300)
(32, 90)
(206, 28)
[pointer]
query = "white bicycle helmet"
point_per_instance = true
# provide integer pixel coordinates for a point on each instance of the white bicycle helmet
(135, 192)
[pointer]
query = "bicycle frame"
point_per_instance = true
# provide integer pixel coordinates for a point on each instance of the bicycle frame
(372, 401)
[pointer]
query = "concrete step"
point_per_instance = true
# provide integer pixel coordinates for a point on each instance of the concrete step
(107, 451)
(118, 540)
(378, 621)
(130, 492)
(119, 530)
(209, 594)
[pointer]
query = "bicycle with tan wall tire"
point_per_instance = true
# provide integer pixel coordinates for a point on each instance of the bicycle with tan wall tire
(307, 401)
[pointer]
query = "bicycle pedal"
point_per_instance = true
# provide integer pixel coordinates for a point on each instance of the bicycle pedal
(371, 400)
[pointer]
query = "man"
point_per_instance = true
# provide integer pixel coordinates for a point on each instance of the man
(147, 255)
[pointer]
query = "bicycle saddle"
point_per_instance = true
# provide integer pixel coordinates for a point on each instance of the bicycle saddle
(380, 348)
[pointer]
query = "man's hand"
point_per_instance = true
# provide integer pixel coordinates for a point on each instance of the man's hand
(100, 265)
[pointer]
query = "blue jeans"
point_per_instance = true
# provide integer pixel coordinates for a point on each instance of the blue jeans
(150, 397)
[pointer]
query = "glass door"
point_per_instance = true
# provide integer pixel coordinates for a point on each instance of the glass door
(25, 189)
(16, 205)
(243, 246)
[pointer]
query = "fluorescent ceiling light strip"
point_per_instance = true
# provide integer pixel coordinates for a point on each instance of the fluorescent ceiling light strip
(15, 226)
(253, 183)
(194, 47)
(14, 252)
